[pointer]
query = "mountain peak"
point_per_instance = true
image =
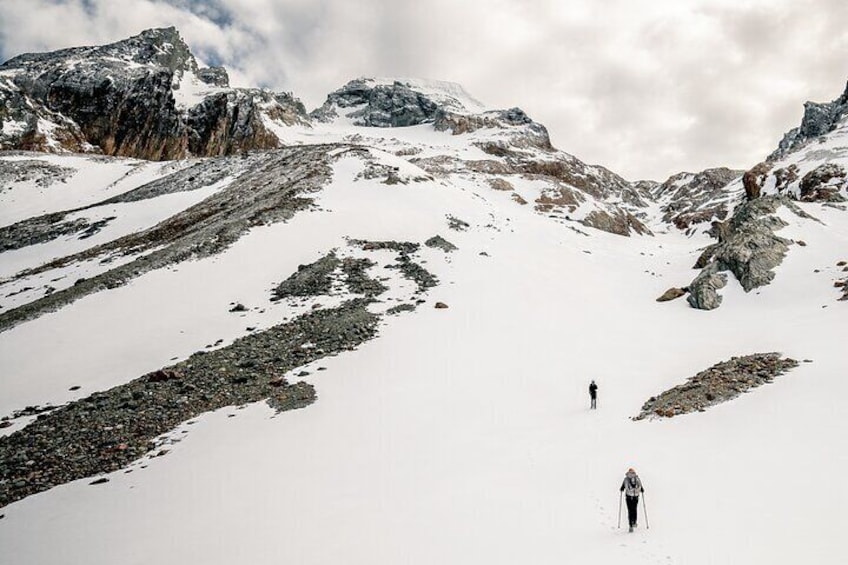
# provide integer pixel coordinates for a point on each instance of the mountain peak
(820, 118)
(396, 102)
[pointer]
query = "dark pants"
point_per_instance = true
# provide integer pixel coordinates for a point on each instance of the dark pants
(632, 505)
(594, 401)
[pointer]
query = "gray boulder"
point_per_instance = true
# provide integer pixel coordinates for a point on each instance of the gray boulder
(703, 291)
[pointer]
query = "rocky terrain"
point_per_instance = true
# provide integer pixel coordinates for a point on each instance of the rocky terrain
(263, 191)
(109, 430)
(819, 119)
(689, 199)
(137, 98)
(747, 247)
(436, 185)
(722, 382)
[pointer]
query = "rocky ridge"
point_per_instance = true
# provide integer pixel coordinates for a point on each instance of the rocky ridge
(263, 191)
(747, 247)
(148, 97)
(819, 119)
(109, 430)
(720, 383)
(688, 199)
(143, 97)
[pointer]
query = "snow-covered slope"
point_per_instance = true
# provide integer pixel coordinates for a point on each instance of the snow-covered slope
(433, 298)
(460, 434)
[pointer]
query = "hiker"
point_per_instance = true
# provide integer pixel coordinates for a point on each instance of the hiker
(632, 487)
(593, 394)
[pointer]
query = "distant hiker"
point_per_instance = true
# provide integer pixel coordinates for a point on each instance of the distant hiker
(632, 488)
(593, 394)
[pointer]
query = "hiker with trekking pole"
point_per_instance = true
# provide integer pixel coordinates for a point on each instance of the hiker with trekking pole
(631, 488)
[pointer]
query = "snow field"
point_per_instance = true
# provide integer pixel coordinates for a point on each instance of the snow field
(461, 435)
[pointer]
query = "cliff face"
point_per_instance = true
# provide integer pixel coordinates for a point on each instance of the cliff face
(142, 97)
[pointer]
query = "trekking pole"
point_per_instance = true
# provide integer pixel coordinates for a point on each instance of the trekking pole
(645, 508)
(620, 495)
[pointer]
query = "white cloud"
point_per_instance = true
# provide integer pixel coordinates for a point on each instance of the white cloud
(644, 87)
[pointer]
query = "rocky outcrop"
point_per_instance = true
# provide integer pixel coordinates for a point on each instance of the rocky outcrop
(722, 382)
(272, 188)
(819, 119)
(438, 242)
(619, 222)
(397, 103)
(109, 430)
(672, 294)
(824, 183)
(747, 247)
(313, 279)
(383, 106)
(703, 291)
(688, 199)
(533, 134)
(754, 178)
(124, 99)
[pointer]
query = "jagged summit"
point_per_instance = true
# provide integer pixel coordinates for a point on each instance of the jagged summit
(142, 97)
(394, 102)
(160, 47)
(820, 118)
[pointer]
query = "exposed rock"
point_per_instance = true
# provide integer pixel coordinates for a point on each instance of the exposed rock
(400, 308)
(239, 308)
(720, 383)
(99, 481)
(205, 229)
(441, 306)
(528, 133)
(214, 76)
(38, 172)
(399, 104)
(620, 223)
(754, 179)
(108, 430)
(671, 294)
(457, 224)
(747, 247)
(785, 177)
(313, 279)
(703, 291)
(163, 376)
(439, 242)
(687, 199)
(823, 183)
(501, 184)
(819, 119)
(119, 99)
(408, 268)
(358, 281)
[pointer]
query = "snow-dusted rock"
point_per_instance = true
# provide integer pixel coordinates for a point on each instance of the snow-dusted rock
(687, 199)
(144, 97)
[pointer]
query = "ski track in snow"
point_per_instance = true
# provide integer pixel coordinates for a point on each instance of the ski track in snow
(459, 435)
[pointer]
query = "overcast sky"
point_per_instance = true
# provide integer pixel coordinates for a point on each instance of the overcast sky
(647, 88)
